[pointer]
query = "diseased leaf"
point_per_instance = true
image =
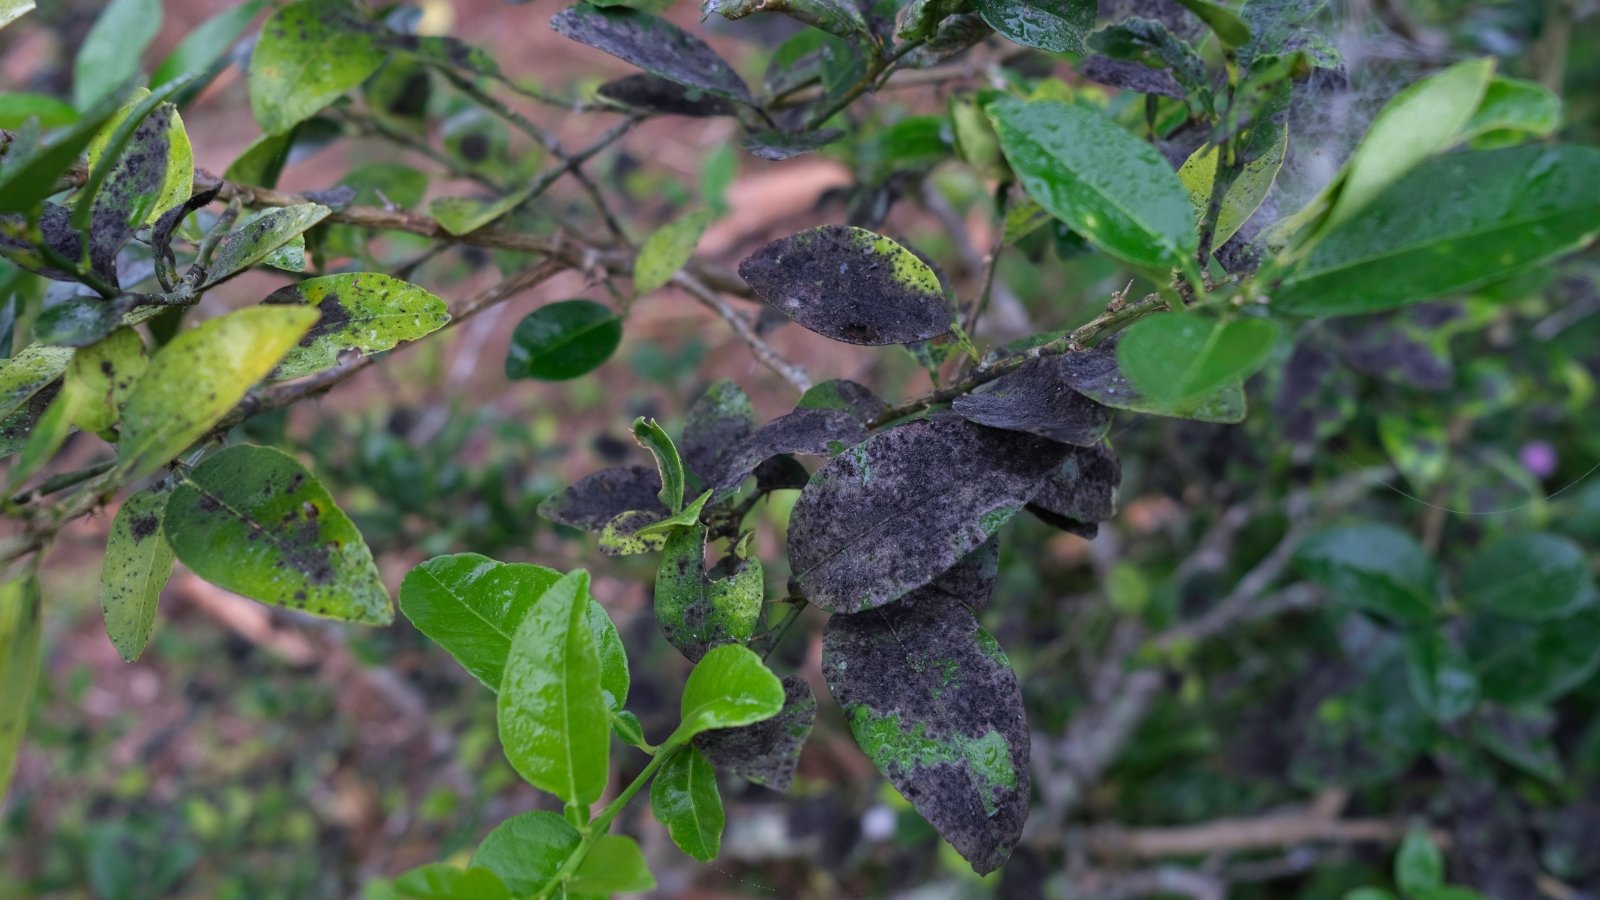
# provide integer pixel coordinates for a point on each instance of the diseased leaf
(10, 11)
(527, 850)
(137, 566)
(27, 179)
(767, 752)
(598, 498)
(890, 514)
(934, 704)
(1149, 43)
(1374, 567)
(655, 45)
(33, 369)
(178, 182)
(669, 249)
(1178, 357)
(851, 285)
(49, 432)
(654, 94)
(1083, 492)
(198, 377)
(814, 432)
(471, 606)
(841, 17)
(1283, 27)
(563, 340)
(615, 865)
(729, 687)
(364, 311)
(1036, 399)
(1097, 374)
(684, 798)
(16, 430)
(554, 725)
(1244, 196)
(20, 629)
(255, 521)
(259, 236)
(1529, 576)
(128, 195)
(310, 53)
(956, 35)
(1058, 26)
(1454, 223)
(722, 417)
(841, 393)
(76, 321)
(110, 54)
(1132, 76)
(1110, 187)
(776, 146)
(699, 610)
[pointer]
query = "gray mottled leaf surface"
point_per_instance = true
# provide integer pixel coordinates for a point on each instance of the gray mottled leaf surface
(1083, 492)
(721, 418)
(851, 285)
(602, 496)
(767, 752)
(1037, 399)
(1096, 374)
(652, 93)
(652, 44)
(933, 702)
(129, 192)
(888, 515)
(842, 393)
(815, 432)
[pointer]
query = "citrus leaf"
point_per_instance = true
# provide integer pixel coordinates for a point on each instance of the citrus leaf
(684, 798)
(137, 566)
(364, 311)
(729, 687)
(563, 340)
(652, 44)
(310, 53)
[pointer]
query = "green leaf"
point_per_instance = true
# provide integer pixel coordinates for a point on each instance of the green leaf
(654, 45)
(192, 383)
(471, 606)
(178, 182)
(1243, 197)
(110, 54)
(698, 611)
(262, 161)
(255, 521)
(441, 881)
(684, 798)
(76, 322)
(49, 433)
(563, 340)
(1058, 26)
(628, 727)
(138, 563)
(1228, 27)
(256, 238)
(26, 181)
(20, 628)
(1176, 357)
(1524, 663)
(526, 851)
(17, 108)
(1455, 223)
(1529, 576)
(10, 11)
(668, 250)
(1374, 567)
(310, 53)
(689, 515)
(103, 374)
(463, 215)
(1418, 866)
(768, 752)
(729, 687)
(652, 437)
(553, 720)
(1109, 186)
(1440, 676)
(204, 48)
(1511, 104)
(364, 311)
(614, 865)
(1369, 894)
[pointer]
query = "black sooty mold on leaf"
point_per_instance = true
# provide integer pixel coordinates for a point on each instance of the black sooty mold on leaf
(652, 44)
(1081, 493)
(721, 418)
(129, 192)
(932, 700)
(842, 393)
(698, 609)
(602, 496)
(815, 432)
(888, 515)
(851, 285)
(776, 146)
(766, 753)
(1037, 399)
(1096, 374)
(652, 93)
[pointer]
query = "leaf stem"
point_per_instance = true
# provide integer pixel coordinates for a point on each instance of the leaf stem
(601, 825)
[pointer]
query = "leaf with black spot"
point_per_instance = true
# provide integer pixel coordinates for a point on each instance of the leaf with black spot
(161, 233)
(130, 191)
(1037, 399)
(851, 285)
(956, 35)
(652, 44)
(77, 321)
(700, 609)
(253, 520)
(1132, 76)
(1398, 349)
(722, 417)
(777, 146)
(1083, 492)
(933, 702)
(363, 311)
(1096, 374)
(888, 515)
(654, 94)
(602, 496)
(814, 432)
(766, 753)
(56, 233)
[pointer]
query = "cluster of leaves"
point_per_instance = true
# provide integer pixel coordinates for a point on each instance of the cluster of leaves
(896, 533)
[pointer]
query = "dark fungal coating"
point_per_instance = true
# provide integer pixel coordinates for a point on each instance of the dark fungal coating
(842, 393)
(129, 191)
(1037, 399)
(971, 580)
(652, 93)
(814, 432)
(933, 702)
(851, 285)
(767, 752)
(888, 515)
(1132, 76)
(654, 45)
(58, 234)
(600, 497)
(776, 146)
(781, 473)
(1081, 493)
(722, 417)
